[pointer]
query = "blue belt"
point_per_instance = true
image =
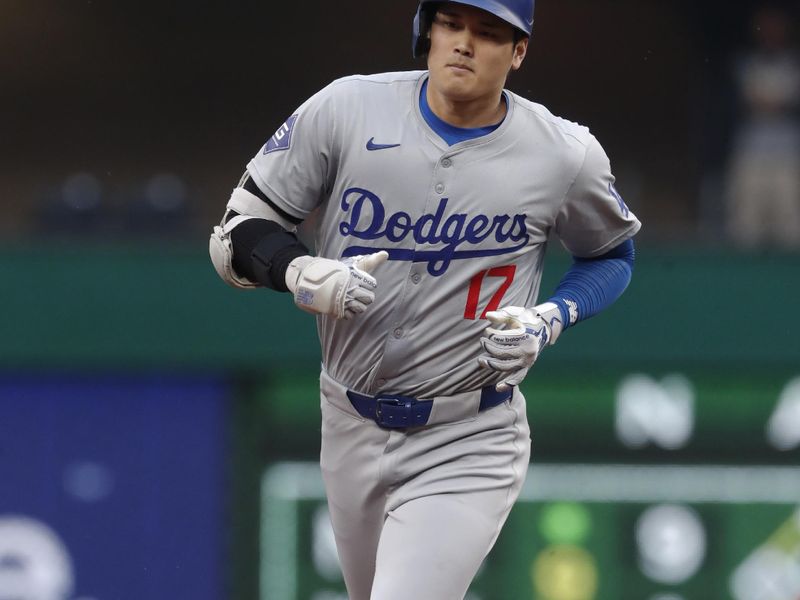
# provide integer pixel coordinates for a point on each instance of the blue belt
(399, 412)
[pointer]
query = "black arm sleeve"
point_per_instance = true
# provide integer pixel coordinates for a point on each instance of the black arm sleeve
(262, 251)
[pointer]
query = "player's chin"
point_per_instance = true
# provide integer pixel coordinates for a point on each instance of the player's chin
(458, 89)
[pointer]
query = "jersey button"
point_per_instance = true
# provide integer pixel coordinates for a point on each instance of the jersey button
(398, 332)
(447, 163)
(439, 188)
(416, 277)
(380, 383)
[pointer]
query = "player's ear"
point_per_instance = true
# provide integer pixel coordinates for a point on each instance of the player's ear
(520, 50)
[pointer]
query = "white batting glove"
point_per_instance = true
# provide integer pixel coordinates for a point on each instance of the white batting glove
(340, 288)
(513, 342)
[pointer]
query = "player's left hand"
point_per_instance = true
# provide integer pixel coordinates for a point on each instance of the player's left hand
(512, 343)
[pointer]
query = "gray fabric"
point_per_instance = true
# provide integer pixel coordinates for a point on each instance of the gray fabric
(402, 501)
(496, 198)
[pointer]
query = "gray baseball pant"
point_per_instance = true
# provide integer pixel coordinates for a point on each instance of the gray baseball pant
(416, 511)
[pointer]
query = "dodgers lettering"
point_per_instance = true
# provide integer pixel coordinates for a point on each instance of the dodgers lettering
(367, 220)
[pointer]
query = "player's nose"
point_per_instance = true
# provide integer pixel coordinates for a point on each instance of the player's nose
(464, 43)
(464, 48)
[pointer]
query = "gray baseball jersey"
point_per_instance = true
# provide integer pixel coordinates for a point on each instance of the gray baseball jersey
(465, 226)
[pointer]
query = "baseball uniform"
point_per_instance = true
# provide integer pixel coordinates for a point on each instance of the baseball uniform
(415, 509)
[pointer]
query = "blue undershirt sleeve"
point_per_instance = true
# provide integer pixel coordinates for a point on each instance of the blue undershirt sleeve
(593, 284)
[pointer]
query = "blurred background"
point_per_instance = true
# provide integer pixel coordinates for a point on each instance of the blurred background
(159, 431)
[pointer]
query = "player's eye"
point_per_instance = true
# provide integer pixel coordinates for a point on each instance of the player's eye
(447, 23)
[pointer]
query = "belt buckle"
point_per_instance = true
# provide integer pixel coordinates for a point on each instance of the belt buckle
(394, 411)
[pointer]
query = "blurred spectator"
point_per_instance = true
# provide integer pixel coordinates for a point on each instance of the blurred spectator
(161, 208)
(764, 173)
(77, 206)
(83, 207)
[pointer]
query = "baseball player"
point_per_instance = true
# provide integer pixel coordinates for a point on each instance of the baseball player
(433, 194)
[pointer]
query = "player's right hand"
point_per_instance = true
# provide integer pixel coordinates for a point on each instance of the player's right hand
(339, 288)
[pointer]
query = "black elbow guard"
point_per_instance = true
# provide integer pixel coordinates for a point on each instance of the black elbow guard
(271, 258)
(262, 251)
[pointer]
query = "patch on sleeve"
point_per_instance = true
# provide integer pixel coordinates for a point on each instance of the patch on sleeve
(282, 139)
(622, 206)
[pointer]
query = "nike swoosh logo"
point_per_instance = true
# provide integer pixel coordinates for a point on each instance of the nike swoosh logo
(372, 146)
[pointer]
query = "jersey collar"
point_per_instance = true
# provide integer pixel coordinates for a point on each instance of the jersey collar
(466, 136)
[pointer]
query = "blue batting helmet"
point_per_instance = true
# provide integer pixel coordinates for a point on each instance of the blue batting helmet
(517, 13)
